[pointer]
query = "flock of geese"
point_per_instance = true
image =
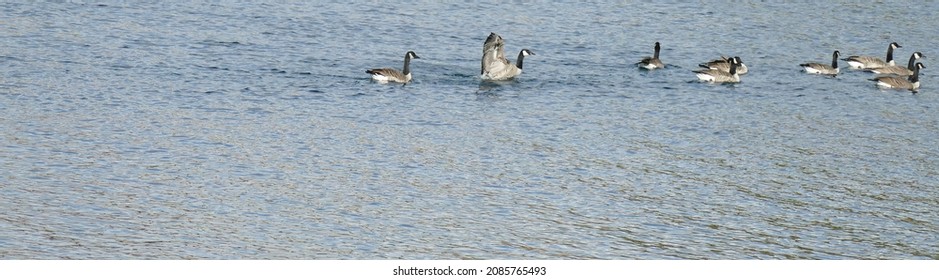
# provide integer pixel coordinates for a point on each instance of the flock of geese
(495, 67)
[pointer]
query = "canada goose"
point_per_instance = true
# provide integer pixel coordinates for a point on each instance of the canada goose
(494, 64)
(824, 69)
(723, 64)
(899, 82)
(652, 62)
(720, 76)
(384, 75)
(867, 62)
(899, 70)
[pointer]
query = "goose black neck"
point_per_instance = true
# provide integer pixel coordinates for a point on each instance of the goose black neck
(834, 60)
(407, 64)
(521, 56)
(890, 54)
(733, 68)
(657, 48)
(915, 77)
(912, 60)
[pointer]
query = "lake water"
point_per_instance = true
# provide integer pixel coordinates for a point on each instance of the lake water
(230, 130)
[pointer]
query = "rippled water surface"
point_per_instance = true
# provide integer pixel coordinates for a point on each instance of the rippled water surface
(228, 130)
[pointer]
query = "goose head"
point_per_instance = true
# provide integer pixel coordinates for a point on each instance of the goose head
(521, 57)
(894, 46)
(913, 58)
(919, 65)
(411, 55)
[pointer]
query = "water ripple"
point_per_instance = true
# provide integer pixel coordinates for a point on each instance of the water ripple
(226, 130)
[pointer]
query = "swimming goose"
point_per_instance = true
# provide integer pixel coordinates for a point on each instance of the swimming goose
(384, 75)
(867, 62)
(899, 70)
(507, 71)
(723, 64)
(899, 82)
(720, 76)
(824, 69)
(494, 64)
(652, 62)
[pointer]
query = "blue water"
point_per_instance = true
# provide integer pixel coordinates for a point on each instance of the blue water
(229, 130)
